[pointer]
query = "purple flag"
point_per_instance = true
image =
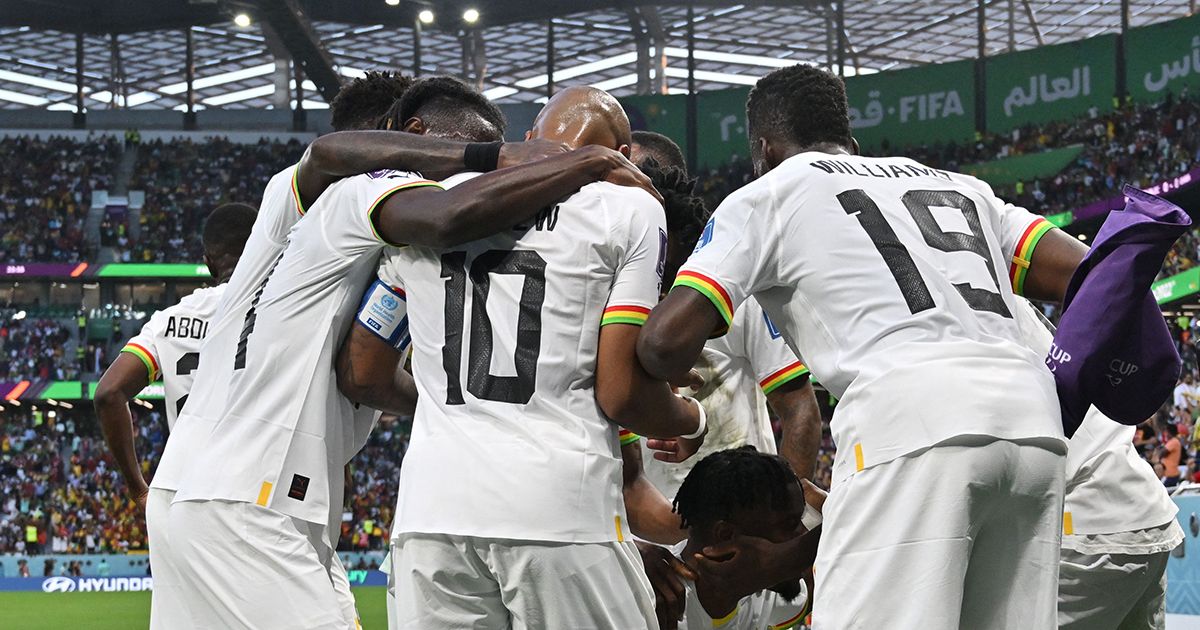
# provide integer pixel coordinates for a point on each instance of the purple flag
(1113, 348)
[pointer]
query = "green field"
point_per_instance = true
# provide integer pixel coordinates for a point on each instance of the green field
(126, 611)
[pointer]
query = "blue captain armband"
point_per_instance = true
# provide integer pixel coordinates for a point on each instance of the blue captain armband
(384, 312)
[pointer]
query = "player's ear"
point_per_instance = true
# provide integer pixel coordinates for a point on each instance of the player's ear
(529, 135)
(212, 268)
(415, 125)
(854, 146)
(723, 531)
(624, 150)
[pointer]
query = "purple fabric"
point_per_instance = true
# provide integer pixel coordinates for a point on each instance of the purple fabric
(1113, 348)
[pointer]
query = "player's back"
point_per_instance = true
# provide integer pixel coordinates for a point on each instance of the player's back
(169, 344)
(280, 432)
(279, 211)
(892, 279)
(508, 440)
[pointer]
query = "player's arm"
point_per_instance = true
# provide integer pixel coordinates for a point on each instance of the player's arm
(1051, 266)
(127, 376)
(673, 337)
(371, 372)
(632, 398)
(345, 153)
(492, 202)
(795, 403)
(651, 516)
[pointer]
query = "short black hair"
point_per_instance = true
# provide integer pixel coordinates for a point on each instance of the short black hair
(801, 104)
(661, 148)
(362, 102)
(686, 212)
(227, 228)
(731, 480)
(444, 102)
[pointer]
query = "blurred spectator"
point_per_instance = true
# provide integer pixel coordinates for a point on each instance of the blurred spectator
(45, 194)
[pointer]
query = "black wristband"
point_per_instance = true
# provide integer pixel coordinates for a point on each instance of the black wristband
(482, 157)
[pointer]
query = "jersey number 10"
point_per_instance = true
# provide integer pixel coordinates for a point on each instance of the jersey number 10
(480, 382)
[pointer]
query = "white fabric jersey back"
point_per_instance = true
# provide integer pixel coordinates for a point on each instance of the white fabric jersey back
(888, 277)
(281, 436)
(169, 344)
(739, 369)
(279, 211)
(508, 441)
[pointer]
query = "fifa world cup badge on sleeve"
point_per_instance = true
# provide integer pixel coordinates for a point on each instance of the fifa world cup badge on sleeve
(384, 312)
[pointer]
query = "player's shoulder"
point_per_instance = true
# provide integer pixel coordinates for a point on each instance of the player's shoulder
(201, 302)
(617, 197)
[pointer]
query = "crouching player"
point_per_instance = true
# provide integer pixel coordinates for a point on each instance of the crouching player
(728, 495)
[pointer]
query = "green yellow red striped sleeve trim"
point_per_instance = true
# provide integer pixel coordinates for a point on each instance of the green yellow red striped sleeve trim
(388, 193)
(146, 357)
(717, 623)
(627, 437)
(710, 289)
(636, 315)
(1023, 254)
(791, 623)
(779, 377)
(296, 190)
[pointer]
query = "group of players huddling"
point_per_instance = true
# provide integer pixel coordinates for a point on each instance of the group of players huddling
(554, 317)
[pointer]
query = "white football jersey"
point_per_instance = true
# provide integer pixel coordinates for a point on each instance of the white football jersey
(888, 277)
(739, 369)
(1110, 488)
(508, 440)
(169, 345)
(282, 433)
(279, 211)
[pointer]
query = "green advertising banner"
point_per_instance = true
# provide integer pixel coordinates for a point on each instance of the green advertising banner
(1051, 83)
(73, 390)
(926, 104)
(1163, 58)
(1177, 286)
(721, 126)
(666, 114)
(1024, 167)
(1061, 219)
(154, 270)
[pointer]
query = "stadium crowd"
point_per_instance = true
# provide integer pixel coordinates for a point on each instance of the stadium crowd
(36, 348)
(59, 491)
(178, 194)
(45, 194)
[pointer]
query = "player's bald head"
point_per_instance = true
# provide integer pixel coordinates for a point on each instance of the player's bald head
(581, 115)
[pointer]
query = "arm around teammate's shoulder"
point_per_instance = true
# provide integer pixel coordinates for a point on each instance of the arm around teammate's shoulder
(632, 398)
(498, 200)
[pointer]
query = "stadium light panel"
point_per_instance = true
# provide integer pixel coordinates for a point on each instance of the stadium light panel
(24, 99)
(746, 60)
(426, 16)
(392, 3)
(241, 95)
(220, 79)
(584, 68)
(471, 16)
(617, 82)
(353, 73)
(716, 77)
(242, 20)
(49, 84)
(499, 92)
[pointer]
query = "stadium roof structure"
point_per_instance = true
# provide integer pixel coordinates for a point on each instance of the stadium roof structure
(134, 53)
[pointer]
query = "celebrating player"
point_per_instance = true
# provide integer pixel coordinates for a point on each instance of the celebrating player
(270, 469)
(168, 347)
(887, 276)
(1119, 523)
(510, 511)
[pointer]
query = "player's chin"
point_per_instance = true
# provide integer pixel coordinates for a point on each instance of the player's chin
(789, 590)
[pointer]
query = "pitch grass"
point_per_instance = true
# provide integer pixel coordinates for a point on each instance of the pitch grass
(127, 611)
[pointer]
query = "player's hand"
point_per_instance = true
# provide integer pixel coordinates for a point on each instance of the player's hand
(624, 173)
(515, 153)
(140, 497)
(737, 566)
(666, 574)
(693, 381)
(674, 450)
(813, 495)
